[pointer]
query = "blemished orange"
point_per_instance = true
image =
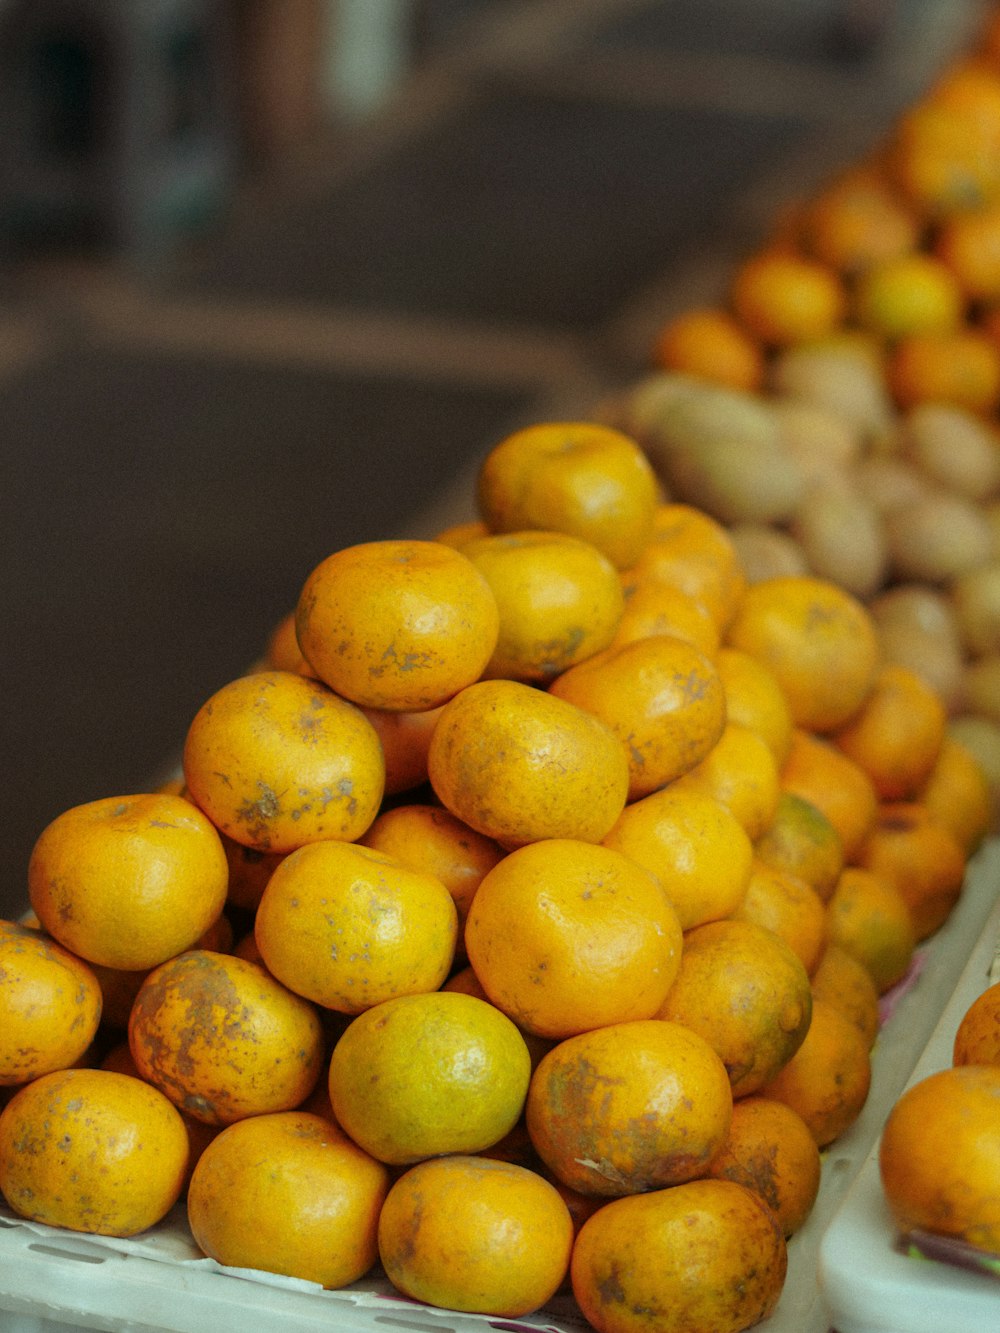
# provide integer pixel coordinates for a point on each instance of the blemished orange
(910, 293)
(565, 936)
(277, 760)
(961, 368)
(818, 640)
(957, 792)
(755, 699)
(841, 979)
(818, 772)
(939, 1156)
(740, 772)
(977, 1037)
(710, 343)
(50, 1005)
(784, 298)
(93, 1151)
(691, 551)
(128, 881)
(660, 696)
(747, 993)
(405, 738)
(695, 846)
(223, 1039)
(560, 600)
(588, 1107)
(869, 918)
(519, 764)
(582, 478)
(433, 840)
(288, 1193)
(347, 926)
(969, 243)
(653, 607)
(917, 853)
(397, 624)
(858, 220)
(828, 1079)
(787, 905)
(897, 734)
(802, 841)
(771, 1151)
(423, 1075)
(516, 1236)
(705, 1255)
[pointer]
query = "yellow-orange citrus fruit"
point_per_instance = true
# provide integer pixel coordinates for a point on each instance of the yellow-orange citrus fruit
(977, 1037)
(802, 841)
(784, 298)
(816, 771)
(917, 853)
(741, 773)
(897, 734)
(869, 918)
(711, 344)
(841, 979)
(692, 551)
(788, 906)
(754, 699)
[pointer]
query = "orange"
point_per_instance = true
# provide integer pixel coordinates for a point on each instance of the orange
(588, 480)
(277, 760)
(939, 1156)
(942, 161)
(741, 773)
(711, 344)
(515, 1231)
(897, 734)
(754, 699)
(915, 851)
(957, 792)
(828, 1078)
(660, 696)
(519, 764)
(560, 600)
(405, 738)
(696, 847)
(288, 1193)
(705, 1255)
(746, 992)
(858, 220)
(910, 293)
(223, 1039)
(397, 624)
(457, 534)
(816, 771)
(771, 1151)
(969, 243)
(282, 651)
(348, 927)
(977, 1037)
(92, 1150)
(466, 982)
(128, 881)
(961, 368)
(652, 607)
(842, 980)
(694, 553)
(565, 936)
(588, 1108)
(869, 918)
(50, 1005)
(787, 905)
(800, 840)
(818, 640)
(969, 85)
(785, 298)
(249, 871)
(434, 841)
(422, 1075)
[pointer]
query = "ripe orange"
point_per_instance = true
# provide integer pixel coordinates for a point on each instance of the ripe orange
(223, 1039)
(565, 936)
(422, 1075)
(405, 738)
(282, 651)
(787, 905)
(288, 1193)
(961, 368)
(897, 734)
(653, 607)
(942, 160)
(348, 927)
(957, 792)
(741, 773)
(857, 220)
(515, 1228)
(816, 771)
(711, 344)
(397, 624)
(128, 881)
(660, 696)
(92, 1150)
(939, 1156)
(869, 918)
(911, 848)
(786, 298)
(842, 980)
(977, 1037)
(519, 764)
(277, 760)
(818, 640)
(747, 993)
(694, 844)
(754, 699)
(691, 551)
(577, 477)
(589, 1101)
(706, 1255)
(910, 293)
(969, 243)
(249, 871)
(802, 841)
(771, 1151)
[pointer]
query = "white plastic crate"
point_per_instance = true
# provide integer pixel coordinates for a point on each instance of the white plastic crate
(53, 1280)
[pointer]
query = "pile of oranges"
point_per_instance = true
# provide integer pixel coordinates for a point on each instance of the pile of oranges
(837, 408)
(518, 925)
